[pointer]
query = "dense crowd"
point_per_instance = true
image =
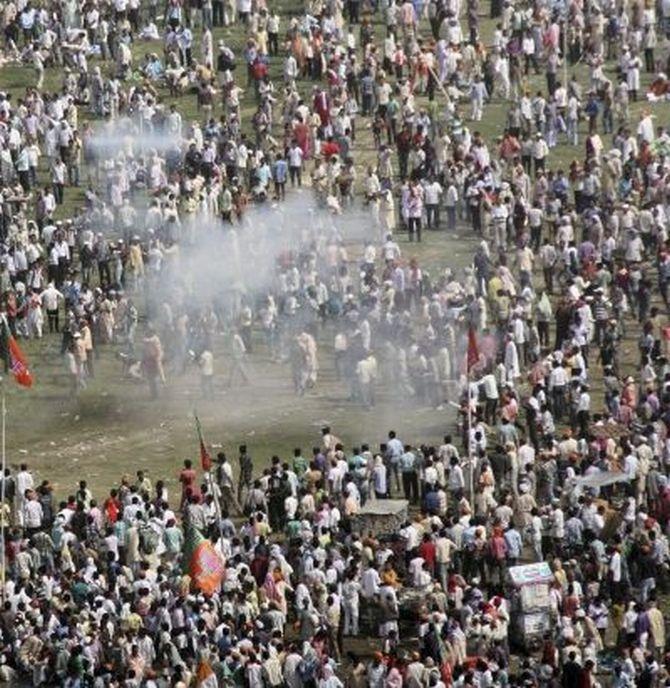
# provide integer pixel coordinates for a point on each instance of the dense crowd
(199, 152)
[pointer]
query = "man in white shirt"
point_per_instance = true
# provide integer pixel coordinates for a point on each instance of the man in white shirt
(630, 466)
(645, 129)
(174, 122)
(370, 582)
(290, 507)
(491, 394)
(572, 120)
(58, 178)
(206, 365)
(24, 482)
(432, 194)
(451, 201)
(526, 455)
(32, 514)
(583, 410)
(456, 480)
(112, 543)
(410, 534)
(499, 215)
(536, 534)
(615, 574)
(535, 219)
(558, 380)
(540, 152)
(295, 156)
(390, 249)
(27, 20)
(443, 549)
(51, 297)
(224, 478)
(557, 527)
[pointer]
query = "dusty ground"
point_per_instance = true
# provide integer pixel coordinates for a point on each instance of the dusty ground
(113, 427)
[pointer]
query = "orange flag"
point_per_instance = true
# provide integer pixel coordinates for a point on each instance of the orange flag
(205, 676)
(18, 364)
(202, 562)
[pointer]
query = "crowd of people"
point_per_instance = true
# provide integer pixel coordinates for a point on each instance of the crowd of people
(554, 339)
(98, 588)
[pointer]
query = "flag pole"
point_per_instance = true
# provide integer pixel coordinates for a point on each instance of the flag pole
(470, 457)
(471, 360)
(217, 506)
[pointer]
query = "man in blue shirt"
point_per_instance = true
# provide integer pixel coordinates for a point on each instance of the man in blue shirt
(394, 449)
(410, 481)
(431, 501)
(514, 545)
(279, 175)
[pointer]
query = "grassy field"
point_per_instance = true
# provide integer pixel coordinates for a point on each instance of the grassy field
(113, 428)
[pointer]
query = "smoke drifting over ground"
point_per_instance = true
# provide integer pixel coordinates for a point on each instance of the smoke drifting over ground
(273, 238)
(207, 266)
(131, 138)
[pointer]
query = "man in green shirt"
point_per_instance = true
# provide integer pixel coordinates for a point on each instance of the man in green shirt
(292, 529)
(299, 463)
(173, 538)
(392, 115)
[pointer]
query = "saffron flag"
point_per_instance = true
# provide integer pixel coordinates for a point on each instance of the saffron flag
(205, 676)
(18, 364)
(205, 458)
(473, 350)
(202, 562)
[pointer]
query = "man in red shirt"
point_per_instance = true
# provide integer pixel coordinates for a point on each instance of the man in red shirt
(187, 478)
(427, 552)
(330, 148)
(112, 507)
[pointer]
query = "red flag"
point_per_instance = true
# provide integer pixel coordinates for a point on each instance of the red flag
(18, 364)
(473, 350)
(205, 458)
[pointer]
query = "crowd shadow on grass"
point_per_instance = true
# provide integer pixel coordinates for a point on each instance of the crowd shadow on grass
(57, 397)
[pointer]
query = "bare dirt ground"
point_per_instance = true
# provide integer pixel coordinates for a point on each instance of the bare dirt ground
(114, 427)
